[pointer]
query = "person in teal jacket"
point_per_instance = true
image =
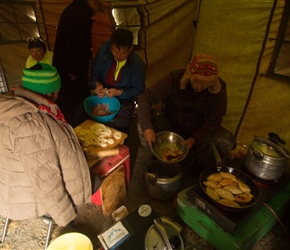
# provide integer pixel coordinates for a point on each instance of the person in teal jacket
(118, 71)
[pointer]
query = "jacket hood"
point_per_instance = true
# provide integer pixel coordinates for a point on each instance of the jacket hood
(23, 101)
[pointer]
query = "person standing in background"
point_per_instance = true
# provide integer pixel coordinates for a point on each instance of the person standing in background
(38, 52)
(72, 54)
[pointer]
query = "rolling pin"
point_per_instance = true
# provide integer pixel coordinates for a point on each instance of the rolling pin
(101, 153)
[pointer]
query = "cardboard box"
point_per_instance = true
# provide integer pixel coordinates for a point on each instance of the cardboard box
(110, 164)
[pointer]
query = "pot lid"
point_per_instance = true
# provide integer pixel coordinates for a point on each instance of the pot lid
(269, 148)
(154, 240)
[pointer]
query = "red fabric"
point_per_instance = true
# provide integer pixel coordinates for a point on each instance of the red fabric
(107, 165)
(96, 198)
(203, 67)
(110, 76)
(59, 116)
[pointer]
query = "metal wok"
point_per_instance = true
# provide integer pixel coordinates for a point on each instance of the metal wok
(240, 176)
(246, 179)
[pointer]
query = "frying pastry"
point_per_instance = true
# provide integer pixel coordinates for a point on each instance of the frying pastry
(171, 154)
(227, 189)
(212, 184)
(212, 194)
(229, 203)
(233, 189)
(245, 188)
(228, 176)
(228, 182)
(215, 177)
(226, 194)
(244, 198)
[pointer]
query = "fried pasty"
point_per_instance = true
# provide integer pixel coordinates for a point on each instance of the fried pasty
(233, 189)
(212, 184)
(229, 203)
(228, 176)
(245, 188)
(215, 177)
(226, 194)
(212, 194)
(244, 198)
(228, 182)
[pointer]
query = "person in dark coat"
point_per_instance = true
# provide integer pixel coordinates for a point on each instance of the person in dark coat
(72, 54)
(194, 104)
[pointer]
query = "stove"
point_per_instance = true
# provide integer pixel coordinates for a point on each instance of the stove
(231, 221)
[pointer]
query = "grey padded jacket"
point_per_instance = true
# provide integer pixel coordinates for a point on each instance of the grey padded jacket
(43, 170)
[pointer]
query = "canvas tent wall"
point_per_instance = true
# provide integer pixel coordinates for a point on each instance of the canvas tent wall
(243, 38)
(238, 32)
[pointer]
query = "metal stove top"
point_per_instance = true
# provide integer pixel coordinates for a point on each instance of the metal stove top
(230, 221)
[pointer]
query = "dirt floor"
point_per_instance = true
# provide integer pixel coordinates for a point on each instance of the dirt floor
(31, 234)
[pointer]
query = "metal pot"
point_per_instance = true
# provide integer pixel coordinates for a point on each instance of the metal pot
(266, 159)
(162, 179)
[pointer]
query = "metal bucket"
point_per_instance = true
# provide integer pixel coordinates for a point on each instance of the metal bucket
(163, 179)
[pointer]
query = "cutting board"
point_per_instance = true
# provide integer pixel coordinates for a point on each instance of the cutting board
(92, 150)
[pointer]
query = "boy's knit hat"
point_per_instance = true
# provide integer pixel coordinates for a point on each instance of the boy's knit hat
(41, 78)
(205, 71)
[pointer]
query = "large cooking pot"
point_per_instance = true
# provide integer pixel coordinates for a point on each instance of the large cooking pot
(266, 159)
(163, 179)
(241, 176)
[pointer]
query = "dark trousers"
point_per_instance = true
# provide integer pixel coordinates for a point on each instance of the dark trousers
(71, 95)
(122, 119)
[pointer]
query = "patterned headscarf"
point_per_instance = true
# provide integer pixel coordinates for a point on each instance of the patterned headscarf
(203, 65)
(204, 70)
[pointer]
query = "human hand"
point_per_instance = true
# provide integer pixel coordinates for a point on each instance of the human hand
(99, 90)
(149, 135)
(113, 92)
(189, 142)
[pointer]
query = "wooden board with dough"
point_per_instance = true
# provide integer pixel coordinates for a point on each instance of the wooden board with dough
(95, 137)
